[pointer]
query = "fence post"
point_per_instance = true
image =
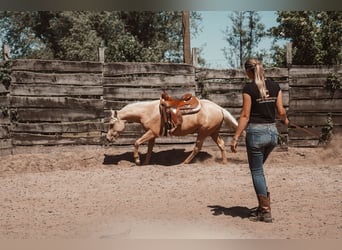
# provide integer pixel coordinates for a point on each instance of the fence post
(101, 53)
(6, 52)
(289, 54)
(194, 57)
(186, 36)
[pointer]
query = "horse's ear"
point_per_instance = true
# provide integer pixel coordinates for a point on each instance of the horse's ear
(114, 114)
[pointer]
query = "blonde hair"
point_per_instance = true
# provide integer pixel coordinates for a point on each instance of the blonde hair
(255, 67)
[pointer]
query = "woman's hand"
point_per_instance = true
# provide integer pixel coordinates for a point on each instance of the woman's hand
(233, 145)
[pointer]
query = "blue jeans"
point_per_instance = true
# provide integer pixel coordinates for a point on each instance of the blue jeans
(260, 141)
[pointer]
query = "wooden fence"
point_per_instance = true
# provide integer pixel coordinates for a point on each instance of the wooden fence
(54, 102)
(64, 102)
(5, 123)
(312, 103)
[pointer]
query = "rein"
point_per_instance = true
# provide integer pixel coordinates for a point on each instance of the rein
(305, 130)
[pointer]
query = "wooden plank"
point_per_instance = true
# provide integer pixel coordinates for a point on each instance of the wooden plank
(137, 94)
(4, 119)
(5, 144)
(150, 81)
(237, 73)
(318, 119)
(4, 131)
(55, 102)
(303, 143)
(324, 105)
(277, 72)
(314, 93)
(6, 151)
(56, 66)
(307, 134)
(71, 127)
(57, 115)
(55, 90)
(114, 104)
(83, 79)
(129, 68)
(204, 73)
(27, 139)
(308, 81)
(231, 86)
(223, 87)
(310, 70)
(232, 99)
(4, 101)
(3, 89)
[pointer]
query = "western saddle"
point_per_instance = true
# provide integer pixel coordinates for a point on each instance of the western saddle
(172, 110)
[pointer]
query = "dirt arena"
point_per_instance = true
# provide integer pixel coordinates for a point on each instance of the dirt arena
(98, 193)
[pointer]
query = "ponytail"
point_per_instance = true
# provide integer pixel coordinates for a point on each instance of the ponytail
(254, 66)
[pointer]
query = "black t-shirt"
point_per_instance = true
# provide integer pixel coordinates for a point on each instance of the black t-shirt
(262, 110)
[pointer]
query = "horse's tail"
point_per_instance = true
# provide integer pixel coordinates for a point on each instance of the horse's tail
(229, 119)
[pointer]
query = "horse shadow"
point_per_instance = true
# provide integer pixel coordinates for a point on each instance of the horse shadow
(235, 211)
(164, 158)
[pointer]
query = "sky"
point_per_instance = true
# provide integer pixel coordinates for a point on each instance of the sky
(211, 39)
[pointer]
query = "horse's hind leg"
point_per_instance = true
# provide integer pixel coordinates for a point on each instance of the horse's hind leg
(220, 143)
(149, 151)
(197, 148)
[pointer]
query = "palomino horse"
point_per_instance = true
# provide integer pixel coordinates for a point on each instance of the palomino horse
(206, 122)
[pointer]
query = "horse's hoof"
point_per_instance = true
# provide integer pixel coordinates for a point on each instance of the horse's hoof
(137, 162)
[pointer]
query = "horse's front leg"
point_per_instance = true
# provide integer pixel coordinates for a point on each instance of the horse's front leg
(196, 149)
(145, 137)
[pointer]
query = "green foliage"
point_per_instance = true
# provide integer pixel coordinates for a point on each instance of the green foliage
(315, 35)
(333, 81)
(76, 35)
(243, 37)
(278, 57)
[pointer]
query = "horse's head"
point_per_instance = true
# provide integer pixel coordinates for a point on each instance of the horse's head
(116, 125)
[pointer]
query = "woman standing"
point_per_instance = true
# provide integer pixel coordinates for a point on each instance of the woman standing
(262, 99)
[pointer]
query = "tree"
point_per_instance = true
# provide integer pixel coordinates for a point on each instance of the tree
(76, 35)
(331, 38)
(243, 36)
(315, 35)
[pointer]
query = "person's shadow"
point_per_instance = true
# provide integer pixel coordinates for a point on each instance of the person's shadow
(236, 211)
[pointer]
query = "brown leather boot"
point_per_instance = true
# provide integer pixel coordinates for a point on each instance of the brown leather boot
(263, 212)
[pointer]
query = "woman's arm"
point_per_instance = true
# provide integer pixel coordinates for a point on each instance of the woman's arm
(244, 117)
(280, 108)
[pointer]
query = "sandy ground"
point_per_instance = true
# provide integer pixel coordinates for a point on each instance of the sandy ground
(98, 193)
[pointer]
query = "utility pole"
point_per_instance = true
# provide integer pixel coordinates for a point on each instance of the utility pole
(186, 37)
